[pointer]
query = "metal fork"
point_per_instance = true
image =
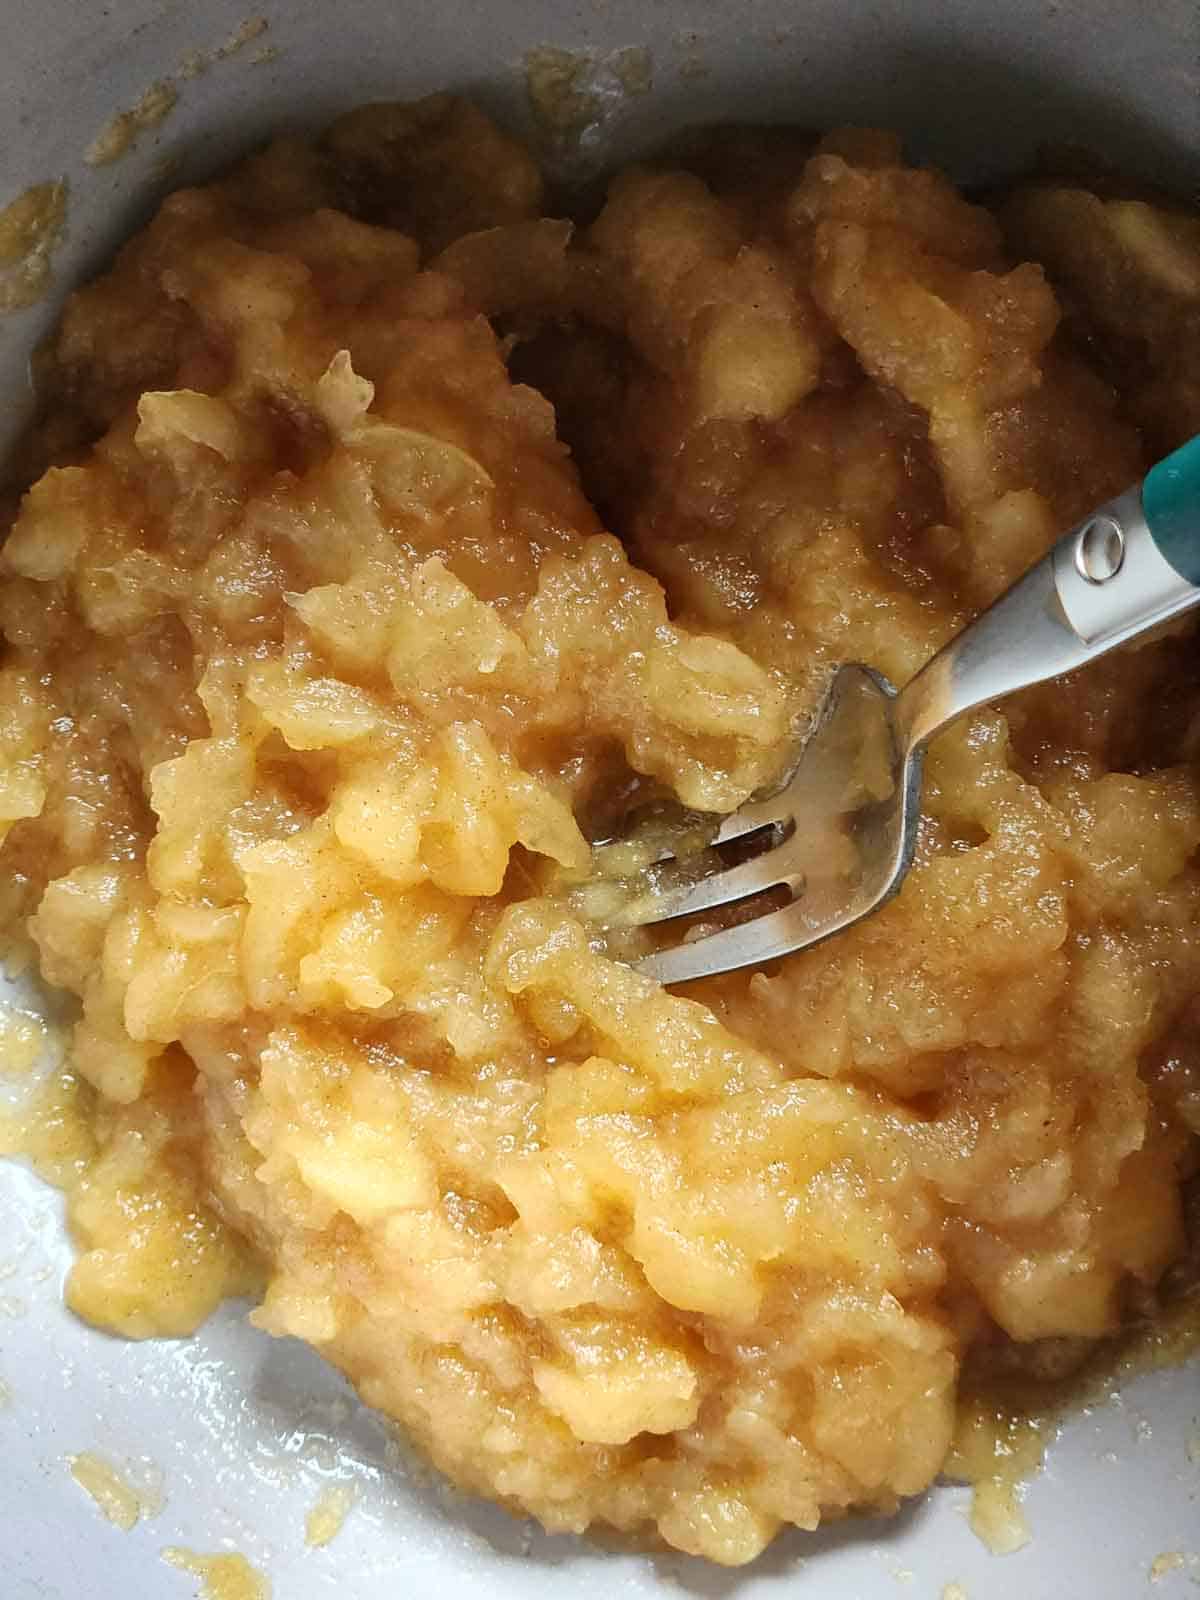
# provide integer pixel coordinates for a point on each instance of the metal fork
(838, 836)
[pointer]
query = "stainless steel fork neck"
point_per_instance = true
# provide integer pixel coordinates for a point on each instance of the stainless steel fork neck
(1103, 583)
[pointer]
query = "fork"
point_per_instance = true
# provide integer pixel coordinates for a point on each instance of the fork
(837, 836)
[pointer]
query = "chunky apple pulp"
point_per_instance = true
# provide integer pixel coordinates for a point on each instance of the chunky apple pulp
(321, 665)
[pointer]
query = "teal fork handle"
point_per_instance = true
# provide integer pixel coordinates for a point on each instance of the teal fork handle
(1171, 506)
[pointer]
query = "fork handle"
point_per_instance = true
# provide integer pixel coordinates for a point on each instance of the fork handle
(1129, 567)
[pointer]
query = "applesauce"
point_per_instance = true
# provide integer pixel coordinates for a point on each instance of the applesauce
(323, 658)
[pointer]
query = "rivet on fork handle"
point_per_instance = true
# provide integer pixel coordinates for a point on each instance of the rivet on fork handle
(1111, 577)
(1100, 549)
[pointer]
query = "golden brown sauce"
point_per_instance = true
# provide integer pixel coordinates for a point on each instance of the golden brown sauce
(30, 229)
(318, 656)
(23, 1039)
(1007, 1419)
(326, 1519)
(122, 133)
(222, 1577)
(197, 62)
(118, 1500)
(1167, 1561)
(571, 92)
(53, 1130)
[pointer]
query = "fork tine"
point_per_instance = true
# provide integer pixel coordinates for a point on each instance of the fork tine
(755, 814)
(767, 870)
(753, 817)
(848, 815)
(767, 938)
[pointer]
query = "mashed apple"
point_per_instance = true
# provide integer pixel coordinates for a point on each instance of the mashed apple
(320, 666)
